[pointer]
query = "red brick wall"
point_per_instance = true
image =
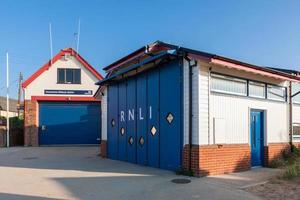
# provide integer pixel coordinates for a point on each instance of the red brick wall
(195, 158)
(227, 158)
(186, 157)
(220, 159)
(217, 159)
(103, 149)
(30, 123)
(275, 151)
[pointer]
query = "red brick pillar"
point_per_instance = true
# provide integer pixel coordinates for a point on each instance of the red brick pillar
(275, 151)
(103, 149)
(30, 123)
(186, 157)
(193, 164)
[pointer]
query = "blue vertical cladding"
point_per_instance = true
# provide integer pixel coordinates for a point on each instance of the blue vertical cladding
(112, 130)
(153, 117)
(170, 104)
(122, 142)
(69, 123)
(146, 100)
(131, 120)
(141, 119)
(256, 130)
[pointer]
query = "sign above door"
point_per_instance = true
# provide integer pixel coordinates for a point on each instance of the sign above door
(69, 92)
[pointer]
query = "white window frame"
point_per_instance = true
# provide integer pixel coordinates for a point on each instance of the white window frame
(296, 136)
(228, 78)
(260, 84)
(274, 99)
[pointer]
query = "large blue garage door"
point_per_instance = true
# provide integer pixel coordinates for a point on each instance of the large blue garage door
(145, 118)
(69, 123)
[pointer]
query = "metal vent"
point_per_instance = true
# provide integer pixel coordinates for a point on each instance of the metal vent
(113, 123)
(153, 130)
(122, 131)
(181, 181)
(169, 118)
(141, 141)
(130, 140)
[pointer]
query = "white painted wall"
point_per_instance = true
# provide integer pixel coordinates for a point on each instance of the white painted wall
(186, 98)
(104, 115)
(196, 122)
(233, 112)
(48, 80)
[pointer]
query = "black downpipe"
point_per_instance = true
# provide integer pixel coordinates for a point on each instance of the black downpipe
(190, 109)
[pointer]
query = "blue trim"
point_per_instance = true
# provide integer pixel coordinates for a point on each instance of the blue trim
(136, 66)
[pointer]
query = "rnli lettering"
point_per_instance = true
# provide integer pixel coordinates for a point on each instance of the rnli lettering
(131, 115)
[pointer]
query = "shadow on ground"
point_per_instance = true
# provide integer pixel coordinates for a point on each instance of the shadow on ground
(7, 196)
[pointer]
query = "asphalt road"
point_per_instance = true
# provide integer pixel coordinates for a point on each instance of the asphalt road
(38, 173)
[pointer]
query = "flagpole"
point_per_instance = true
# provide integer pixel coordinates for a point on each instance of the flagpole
(51, 48)
(78, 36)
(7, 101)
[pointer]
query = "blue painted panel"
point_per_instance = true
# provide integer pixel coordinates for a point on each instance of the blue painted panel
(122, 142)
(141, 119)
(131, 120)
(69, 123)
(145, 101)
(153, 118)
(256, 130)
(170, 103)
(112, 130)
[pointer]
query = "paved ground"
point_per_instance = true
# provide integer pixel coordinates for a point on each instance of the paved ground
(78, 173)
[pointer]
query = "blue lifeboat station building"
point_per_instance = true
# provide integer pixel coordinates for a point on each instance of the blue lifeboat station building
(174, 108)
(144, 111)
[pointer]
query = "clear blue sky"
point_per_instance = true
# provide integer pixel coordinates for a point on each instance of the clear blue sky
(260, 32)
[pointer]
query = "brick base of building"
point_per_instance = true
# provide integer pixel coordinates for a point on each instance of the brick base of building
(217, 159)
(221, 159)
(103, 149)
(275, 151)
(30, 123)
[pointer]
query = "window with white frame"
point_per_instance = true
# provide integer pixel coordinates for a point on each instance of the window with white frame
(227, 84)
(276, 93)
(257, 89)
(295, 89)
(296, 131)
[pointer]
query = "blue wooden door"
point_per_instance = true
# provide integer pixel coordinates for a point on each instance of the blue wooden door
(131, 120)
(147, 115)
(153, 131)
(170, 116)
(112, 122)
(69, 123)
(257, 144)
(141, 119)
(122, 132)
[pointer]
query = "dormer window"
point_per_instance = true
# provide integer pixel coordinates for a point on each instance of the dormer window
(68, 76)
